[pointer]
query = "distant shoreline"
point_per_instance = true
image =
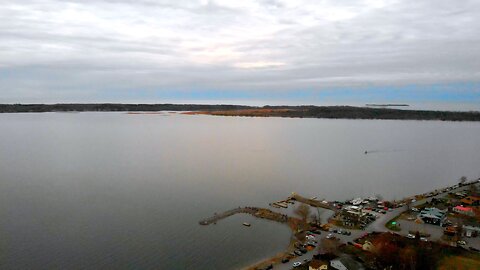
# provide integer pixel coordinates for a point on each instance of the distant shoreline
(331, 112)
(387, 105)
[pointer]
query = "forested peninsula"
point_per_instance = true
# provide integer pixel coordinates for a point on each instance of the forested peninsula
(334, 112)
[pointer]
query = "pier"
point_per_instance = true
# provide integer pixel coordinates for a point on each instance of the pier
(254, 211)
(311, 202)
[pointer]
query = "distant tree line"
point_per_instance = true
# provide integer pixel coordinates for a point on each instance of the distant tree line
(346, 112)
(349, 112)
(113, 107)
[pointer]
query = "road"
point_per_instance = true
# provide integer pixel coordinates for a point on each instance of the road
(308, 256)
(377, 226)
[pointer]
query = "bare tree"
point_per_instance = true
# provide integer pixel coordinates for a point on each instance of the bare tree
(459, 229)
(329, 245)
(303, 211)
(473, 190)
(462, 180)
(408, 203)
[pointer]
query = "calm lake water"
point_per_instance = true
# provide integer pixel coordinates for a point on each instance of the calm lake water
(122, 191)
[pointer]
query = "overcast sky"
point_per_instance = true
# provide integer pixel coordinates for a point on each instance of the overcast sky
(195, 50)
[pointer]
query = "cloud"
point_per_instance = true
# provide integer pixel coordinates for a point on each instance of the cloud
(259, 64)
(66, 50)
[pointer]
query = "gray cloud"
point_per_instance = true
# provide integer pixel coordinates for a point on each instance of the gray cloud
(59, 50)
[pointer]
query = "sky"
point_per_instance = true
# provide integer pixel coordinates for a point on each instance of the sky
(243, 52)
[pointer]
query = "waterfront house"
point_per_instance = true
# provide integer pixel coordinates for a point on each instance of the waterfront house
(319, 265)
(471, 229)
(432, 215)
(471, 200)
(353, 216)
(463, 210)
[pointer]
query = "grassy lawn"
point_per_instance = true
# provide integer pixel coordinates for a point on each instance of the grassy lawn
(459, 263)
(392, 226)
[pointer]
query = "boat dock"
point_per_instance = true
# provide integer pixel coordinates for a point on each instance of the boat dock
(280, 204)
(312, 202)
(254, 211)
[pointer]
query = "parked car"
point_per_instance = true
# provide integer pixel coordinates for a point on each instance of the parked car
(297, 264)
(411, 236)
(298, 252)
(285, 260)
(461, 243)
(423, 239)
(329, 236)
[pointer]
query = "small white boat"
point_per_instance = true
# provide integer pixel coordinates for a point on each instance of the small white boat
(247, 224)
(274, 205)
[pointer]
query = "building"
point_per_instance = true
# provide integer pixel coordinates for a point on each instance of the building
(471, 229)
(432, 215)
(319, 265)
(450, 231)
(338, 264)
(353, 216)
(463, 210)
(345, 263)
(471, 201)
(368, 246)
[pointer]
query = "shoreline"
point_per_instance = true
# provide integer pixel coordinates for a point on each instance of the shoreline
(304, 111)
(295, 223)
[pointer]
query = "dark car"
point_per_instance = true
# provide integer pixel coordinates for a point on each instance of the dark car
(298, 252)
(285, 260)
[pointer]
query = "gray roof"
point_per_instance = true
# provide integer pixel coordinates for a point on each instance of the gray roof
(432, 213)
